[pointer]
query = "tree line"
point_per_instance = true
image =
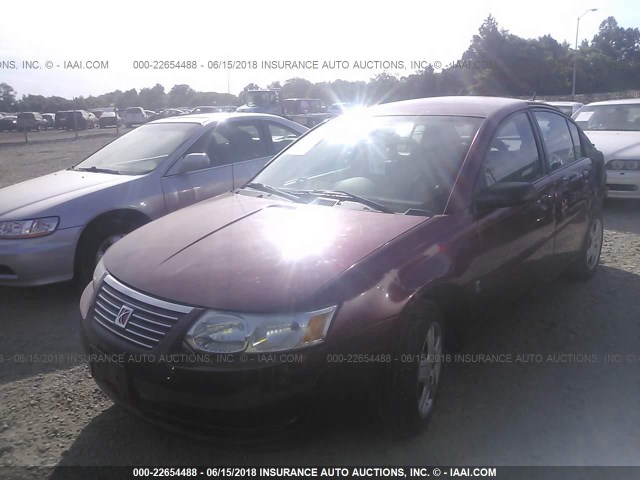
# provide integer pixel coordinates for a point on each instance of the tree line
(495, 63)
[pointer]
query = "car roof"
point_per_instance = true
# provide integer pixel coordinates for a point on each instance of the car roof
(472, 106)
(622, 101)
(206, 118)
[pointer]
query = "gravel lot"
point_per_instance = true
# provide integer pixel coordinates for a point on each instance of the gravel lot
(560, 411)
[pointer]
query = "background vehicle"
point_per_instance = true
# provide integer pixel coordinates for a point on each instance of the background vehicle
(568, 108)
(306, 111)
(30, 121)
(50, 118)
(170, 112)
(134, 116)
(614, 127)
(80, 119)
(205, 109)
(374, 236)
(343, 107)
(77, 214)
(61, 119)
(109, 119)
(97, 112)
(227, 108)
(261, 101)
(8, 123)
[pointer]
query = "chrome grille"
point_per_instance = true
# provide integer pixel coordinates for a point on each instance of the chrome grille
(151, 318)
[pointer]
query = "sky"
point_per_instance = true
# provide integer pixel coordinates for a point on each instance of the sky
(208, 32)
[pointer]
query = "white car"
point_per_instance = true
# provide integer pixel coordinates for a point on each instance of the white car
(134, 116)
(613, 126)
(568, 108)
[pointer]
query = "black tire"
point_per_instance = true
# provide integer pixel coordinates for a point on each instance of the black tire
(94, 240)
(586, 265)
(400, 391)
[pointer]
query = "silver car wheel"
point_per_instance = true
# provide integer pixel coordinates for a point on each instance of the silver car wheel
(429, 369)
(106, 244)
(595, 243)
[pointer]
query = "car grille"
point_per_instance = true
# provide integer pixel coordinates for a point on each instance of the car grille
(149, 321)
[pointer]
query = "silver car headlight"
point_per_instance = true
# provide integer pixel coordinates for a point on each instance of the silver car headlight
(221, 332)
(36, 227)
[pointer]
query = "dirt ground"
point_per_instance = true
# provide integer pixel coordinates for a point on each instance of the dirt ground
(576, 406)
(20, 162)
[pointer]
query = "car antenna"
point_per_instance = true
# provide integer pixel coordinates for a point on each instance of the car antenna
(533, 97)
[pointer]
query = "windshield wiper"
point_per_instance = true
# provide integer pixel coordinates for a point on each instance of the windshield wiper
(97, 170)
(341, 195)
(273, 191)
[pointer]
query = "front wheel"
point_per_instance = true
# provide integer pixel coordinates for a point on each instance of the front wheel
(95, 243)
(585, 266)
(409, 385)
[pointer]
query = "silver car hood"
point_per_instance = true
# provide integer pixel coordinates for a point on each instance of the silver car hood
(616, 144)
(26, 199)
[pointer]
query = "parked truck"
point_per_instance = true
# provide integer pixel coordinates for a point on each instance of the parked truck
(261, 101)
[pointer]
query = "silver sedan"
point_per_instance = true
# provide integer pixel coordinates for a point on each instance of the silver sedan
(58, 226)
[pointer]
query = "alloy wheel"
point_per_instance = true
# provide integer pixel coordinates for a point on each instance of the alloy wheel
(429, 369)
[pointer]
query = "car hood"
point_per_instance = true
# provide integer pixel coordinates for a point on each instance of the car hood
(242, 253)
(616, 144)
(33, 197)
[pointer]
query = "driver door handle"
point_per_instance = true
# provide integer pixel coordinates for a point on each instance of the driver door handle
(570, 178)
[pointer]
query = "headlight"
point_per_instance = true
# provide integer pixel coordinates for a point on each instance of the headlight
(37, 227)
(99, 273)
(624, 164)
(220, 332)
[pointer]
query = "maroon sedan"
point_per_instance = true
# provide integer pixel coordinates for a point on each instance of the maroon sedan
(364, 247)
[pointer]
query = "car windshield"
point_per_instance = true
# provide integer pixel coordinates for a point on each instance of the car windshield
(404, 163)
(609, 117)
(142, 150)
(133, 111)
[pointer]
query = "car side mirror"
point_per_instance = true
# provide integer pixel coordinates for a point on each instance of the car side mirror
(507, 194)
(193, 161)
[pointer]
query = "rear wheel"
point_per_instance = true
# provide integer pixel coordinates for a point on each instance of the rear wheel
(409, 386)
(586, 264)
(96, 242)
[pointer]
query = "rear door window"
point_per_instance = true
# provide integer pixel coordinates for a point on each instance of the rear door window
(557, 139)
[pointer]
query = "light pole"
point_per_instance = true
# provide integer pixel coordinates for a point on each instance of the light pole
(575, 52)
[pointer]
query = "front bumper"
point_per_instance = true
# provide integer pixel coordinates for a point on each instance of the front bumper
(197, 393)
(623, 184)
(39, 261)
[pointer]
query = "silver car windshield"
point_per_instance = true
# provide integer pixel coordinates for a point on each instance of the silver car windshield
(617, 117)
(403, 163)
(142, 150)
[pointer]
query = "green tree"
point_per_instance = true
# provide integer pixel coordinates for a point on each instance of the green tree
(181, 96)
(251, 86)
(296, 88)
(7, 97)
